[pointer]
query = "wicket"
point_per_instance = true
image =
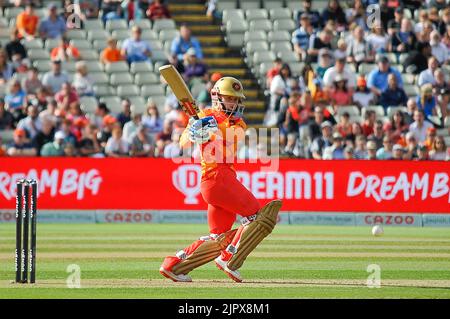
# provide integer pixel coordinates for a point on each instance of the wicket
(25, 256)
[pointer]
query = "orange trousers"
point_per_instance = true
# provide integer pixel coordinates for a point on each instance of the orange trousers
(226, 198)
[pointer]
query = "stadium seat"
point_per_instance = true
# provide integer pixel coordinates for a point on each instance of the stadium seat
(121, 35)
(3, 22)
(120, 78)
(284, 24)
(296, 67)
(236, 26)
(249, 4)
(280, 13)
(92, 24)
(99, 45)
(392, 109)
(379, 110)
(119, 24)
(104, 90)
(81, 43)
(447, 122)
(365, 68)
(113, 103)
(138, 102)
(281, 46)
(116, 67)
(264, 25)
(164, 24)
(254, 46)
(442, 132)
(38, 54)
(99, 77)
(156, 44)
(223, 5)
(287, 56)
(89, 55)
(51, 44)
(128, 90)
(410, 90)
(69, 66)
(255, 35)
(146, 78)
(280, 35)
(197, 88)
(13, 12)
(88, 104)
(151, 90)
(6, 136)
(99, 34)
(144, 24)
(235, 40)
(408, 78)
(94, 66)
(141, 67)
(316, 4)
(168, 35)
(256, 14)
(353, 110)
(149, 35)
(159, 55)
(264, 56)
(159, 100)
(76, 34)
(447, 140)
(43, 65)
(33, 44)
(236, 14)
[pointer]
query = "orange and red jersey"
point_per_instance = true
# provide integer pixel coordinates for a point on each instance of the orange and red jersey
(27, 22)
(222, 147)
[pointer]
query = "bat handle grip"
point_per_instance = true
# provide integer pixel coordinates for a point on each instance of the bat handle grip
(196, 117)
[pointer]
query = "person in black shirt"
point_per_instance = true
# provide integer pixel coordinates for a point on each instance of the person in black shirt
(386, 14)
(318, 42)
(44, 136)
(417, 61)
(15, 47)
(314, 16)
(334, 12)
(6, 118)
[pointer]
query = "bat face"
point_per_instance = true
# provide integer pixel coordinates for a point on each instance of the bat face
(179, 88)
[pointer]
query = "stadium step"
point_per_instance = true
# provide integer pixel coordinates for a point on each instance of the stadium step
(219, 62)
(186, 7)
(181, 18)
(210, 39)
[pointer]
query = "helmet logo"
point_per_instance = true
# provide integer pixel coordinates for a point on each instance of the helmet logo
(236, 86)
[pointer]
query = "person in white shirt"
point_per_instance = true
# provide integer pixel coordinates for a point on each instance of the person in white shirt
(427, 76)
(378, 39)
(419, 127)
(117, 146)
(438, 49)
(32, 123)
(342, 69)
(82, 81)
(173, 148)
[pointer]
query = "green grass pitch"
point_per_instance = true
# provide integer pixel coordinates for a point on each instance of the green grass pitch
(122, 261)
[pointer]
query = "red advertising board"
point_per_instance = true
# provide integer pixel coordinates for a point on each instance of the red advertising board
(161, 184)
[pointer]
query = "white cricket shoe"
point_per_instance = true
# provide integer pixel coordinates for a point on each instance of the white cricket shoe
(177, 278)
(233, 274)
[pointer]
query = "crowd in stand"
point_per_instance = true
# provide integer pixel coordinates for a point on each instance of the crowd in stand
(336, 45)
(44, 109)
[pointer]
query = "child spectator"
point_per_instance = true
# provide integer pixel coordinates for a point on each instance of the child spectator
(438, 150)
(111, 53)
(117, 146)
(82, 82)
(27, 22)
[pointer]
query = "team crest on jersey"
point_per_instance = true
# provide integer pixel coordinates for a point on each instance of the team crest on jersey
(236, 86)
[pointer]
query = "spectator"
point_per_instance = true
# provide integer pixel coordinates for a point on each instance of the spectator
(173, 149)
(317, 42)
(182, 43)
(394, 25)
(124, 116)
(385, 153)
(396, 126)
(301, 37)
(314, 15)
(65, 51)
(44, 135)
(66, 96)
(371, 150)
(99, 114)
(141, 144)
(88, 144)
(321, 142)
(27, 22)
(411, 146)
(152, 120)
(344, 127)
(438, 150)
(131, 126)
(427, 76)
(341, 50)
(342, 69)
(314, 125)
(422, 153)
(82, 82)
(56, 147)
(6, 118)
(114, 12)
(377, 80)
(6, 69)
(20, 146)
(348, 152)
(397, 152)
(103, 136)
(135, 49)
(296, 117)
(369, 122)
(117, 146)
(393, 95)
(89, 9)
(274, 71)
(417, 60)
(157, 10)
(335, 13)
(403, 40)
(378, 134)
(131, 10)
(419, 127)
(340, 94)
(16, 98)
(386, 13)
(360, 151)
(356, 15)
(279, 87)
(111, 53)
(31, 84)
(325, 62)
(336, 150)
(440, 84)
(194, 70)
(444, 22)
(378, 39)
(356, 130)
(362, 97)
(359, 50)
(32, 124)
(320, 96)
(438, 49)
(15, 48)
(426, 101)
(411, 107)
(54, 79)
(163, 138)
(431, 136)
(53, 26)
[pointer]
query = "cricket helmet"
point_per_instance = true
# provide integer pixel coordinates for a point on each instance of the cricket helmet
(228, 86)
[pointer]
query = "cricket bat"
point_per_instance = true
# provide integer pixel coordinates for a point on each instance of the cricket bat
(181, 91)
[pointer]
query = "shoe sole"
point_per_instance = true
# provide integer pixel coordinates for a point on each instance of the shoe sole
(227, 273)
(163, 272)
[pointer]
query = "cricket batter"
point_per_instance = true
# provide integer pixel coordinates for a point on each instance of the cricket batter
(225, 195)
